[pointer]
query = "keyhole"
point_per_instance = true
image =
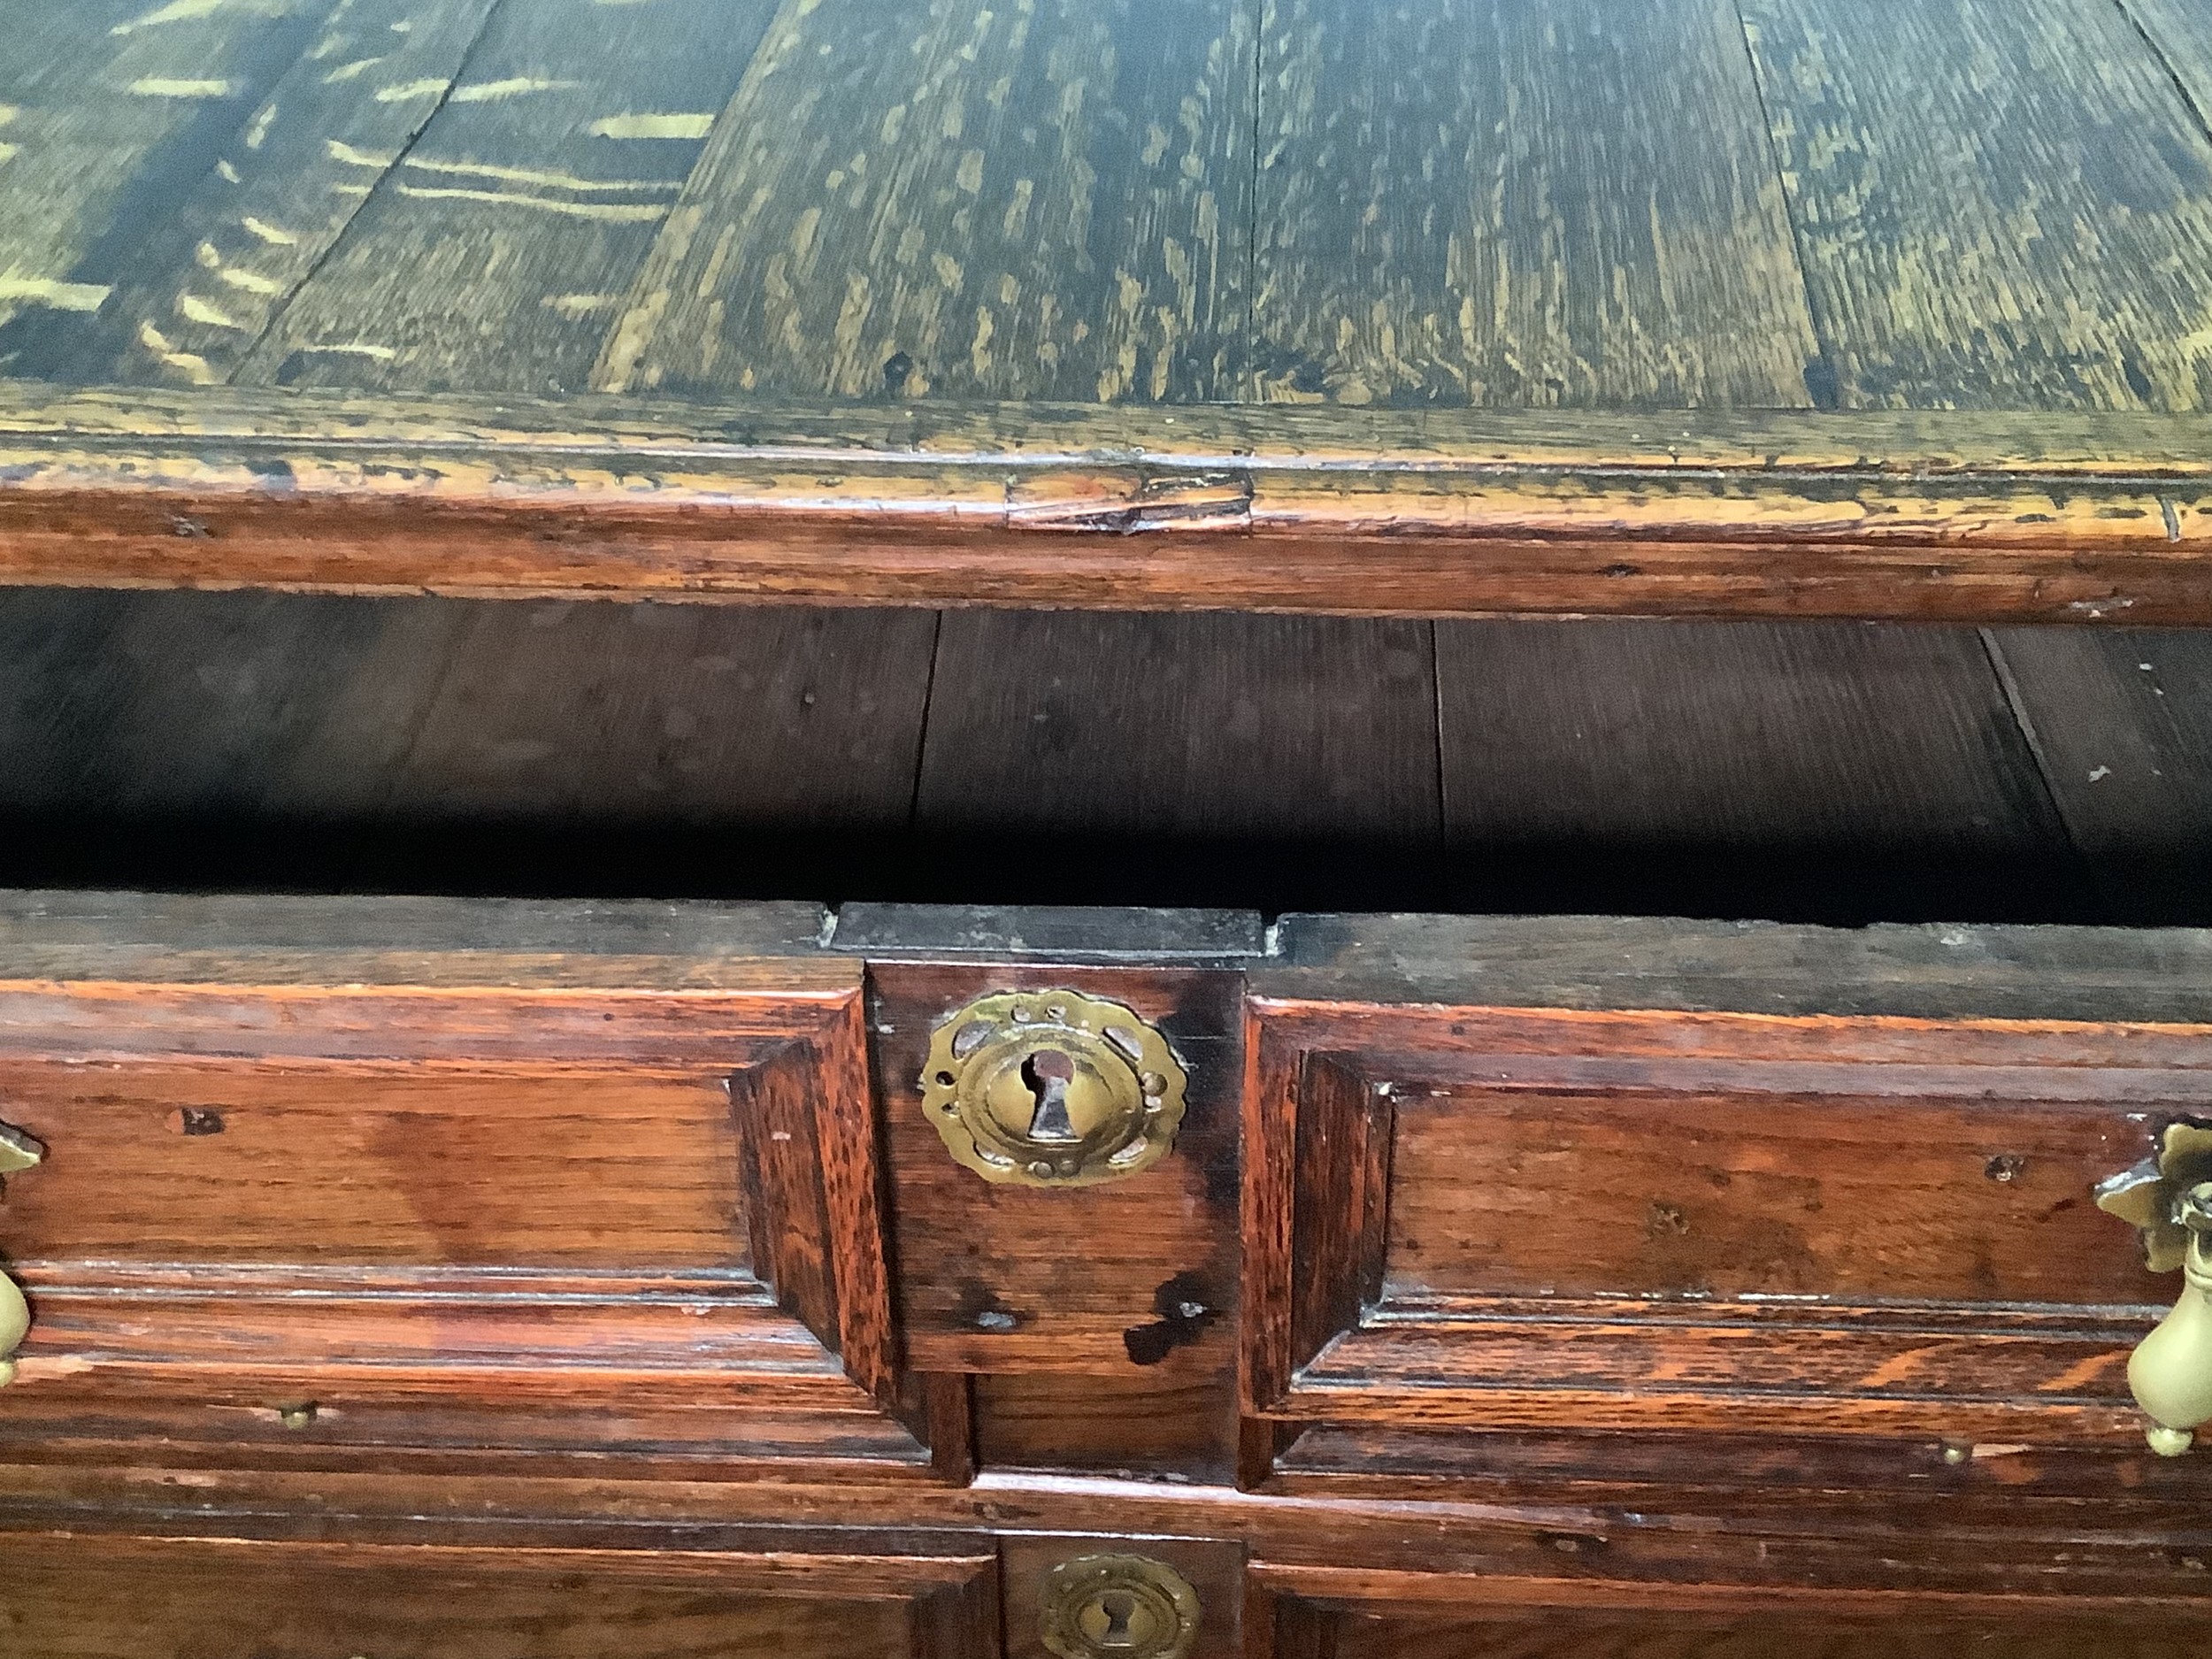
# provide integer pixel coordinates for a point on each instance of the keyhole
(1119, 1607)
(1047, 1074)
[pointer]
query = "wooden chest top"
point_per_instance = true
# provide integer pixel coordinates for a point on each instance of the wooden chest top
(1804, 306)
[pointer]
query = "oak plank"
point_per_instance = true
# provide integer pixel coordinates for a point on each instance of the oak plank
(2123, 726)
(264, 218)
(2182, 33)
(405, 742)
(1565, 203)
(964, 199)
(493, 255)
(147, 706)
(2003, 204)
(775, 717)
(112, 113)
(1264, 746)
(194, 1596)
(1820, 771)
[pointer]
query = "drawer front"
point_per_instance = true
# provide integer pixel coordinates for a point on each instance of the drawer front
(1320, 1613)
(157, 1598)
(1573, 1219)
(492, 1209)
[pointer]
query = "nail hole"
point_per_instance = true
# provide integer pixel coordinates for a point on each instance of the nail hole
(196, 1120)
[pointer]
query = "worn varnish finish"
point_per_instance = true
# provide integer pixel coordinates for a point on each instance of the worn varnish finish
(1559, 204)
(1085, 230)
(1355, 512)
(2001, 205)
(1050, 200)
(420, 1192)
(494, 252)
(1681, 1273)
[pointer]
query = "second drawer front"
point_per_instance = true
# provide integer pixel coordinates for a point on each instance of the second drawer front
(1554, 1219)
(632, 1215)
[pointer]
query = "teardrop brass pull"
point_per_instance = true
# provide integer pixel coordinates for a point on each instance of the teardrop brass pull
(1051, 1088)
(18, 1151)
(2169, 1199)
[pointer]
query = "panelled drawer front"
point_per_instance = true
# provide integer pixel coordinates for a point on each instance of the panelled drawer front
(159, 1598)
(633, 1214)
(1576, 1219)
(1323, 1613)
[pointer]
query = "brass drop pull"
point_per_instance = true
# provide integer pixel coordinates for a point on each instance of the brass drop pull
(1051, 1088)
(2168, 1197)
(1098, 1607)
(18, 1151)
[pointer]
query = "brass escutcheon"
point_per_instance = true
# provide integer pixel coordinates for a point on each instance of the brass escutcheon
(1052, 1089)
(1118, 1606)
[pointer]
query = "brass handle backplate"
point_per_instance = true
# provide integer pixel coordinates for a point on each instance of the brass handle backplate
(1118, 1606)
(18, 1151)
(1053, 1088)
(2169, 1198)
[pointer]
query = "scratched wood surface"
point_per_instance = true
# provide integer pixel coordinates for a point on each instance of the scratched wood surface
(1569, 203)
(1788, 204)
(964, 198)
(2001, 202)
(1063, 269)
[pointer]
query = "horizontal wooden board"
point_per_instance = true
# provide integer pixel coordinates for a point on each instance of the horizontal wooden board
(1701, 1195)
(516, 1165)
(195, 1596)
(1776, 519)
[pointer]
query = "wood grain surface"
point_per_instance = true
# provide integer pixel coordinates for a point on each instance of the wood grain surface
(192, 1597)
(1570, 204)
(1722, 764)
(1999, 205)
(2121, 731)
(493, 252)
(903, 199)
(1985, 209)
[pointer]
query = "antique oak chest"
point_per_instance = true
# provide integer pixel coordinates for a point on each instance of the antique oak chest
(966, 829)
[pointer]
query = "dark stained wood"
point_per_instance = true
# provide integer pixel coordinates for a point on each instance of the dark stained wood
(1267, 745)
(495, 251)
(2000, 204)
(964, 200)
(117, 113)
(312, 741)
(568, 714)
(169, 704)
(2123, 726)
(193, 1597)
(1929, 974)
(1561, 204)
(197, 296)
(1828, 772)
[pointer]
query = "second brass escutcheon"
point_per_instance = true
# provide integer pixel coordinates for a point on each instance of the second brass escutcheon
(1053, 1088)
(1096, 1607)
